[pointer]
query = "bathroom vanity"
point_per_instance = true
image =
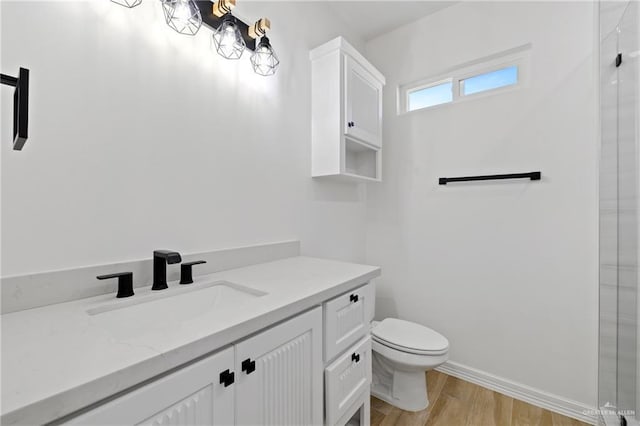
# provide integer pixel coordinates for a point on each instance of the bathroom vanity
(283, 342)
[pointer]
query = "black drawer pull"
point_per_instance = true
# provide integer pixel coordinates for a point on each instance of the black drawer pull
(248, 366)
(355, 357)
(353, 298)
(227, 378)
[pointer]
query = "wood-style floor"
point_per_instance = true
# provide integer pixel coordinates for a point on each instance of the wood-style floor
(454, 402)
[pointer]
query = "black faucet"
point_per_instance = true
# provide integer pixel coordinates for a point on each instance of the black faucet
(160, 260)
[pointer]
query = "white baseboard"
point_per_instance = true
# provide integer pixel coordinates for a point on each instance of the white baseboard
(521, 392)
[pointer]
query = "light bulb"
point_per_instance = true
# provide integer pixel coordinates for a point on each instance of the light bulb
(227, 39)
(182, 12)
(182, 15)
(264, 59)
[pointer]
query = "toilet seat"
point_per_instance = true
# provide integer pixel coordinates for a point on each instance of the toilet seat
(409, 350)
(409, 337)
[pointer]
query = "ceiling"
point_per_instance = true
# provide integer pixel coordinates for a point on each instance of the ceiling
(370, 19)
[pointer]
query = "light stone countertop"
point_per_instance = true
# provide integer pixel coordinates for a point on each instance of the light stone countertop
(58, 359)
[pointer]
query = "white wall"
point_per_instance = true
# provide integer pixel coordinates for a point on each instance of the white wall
(141, 138)
(507, 271)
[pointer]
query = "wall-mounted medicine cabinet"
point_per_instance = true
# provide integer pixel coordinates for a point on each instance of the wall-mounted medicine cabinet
(346, 127)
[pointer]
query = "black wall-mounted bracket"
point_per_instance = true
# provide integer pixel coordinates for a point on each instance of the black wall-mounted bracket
(20, 106)
(529, 175)
(213, 22)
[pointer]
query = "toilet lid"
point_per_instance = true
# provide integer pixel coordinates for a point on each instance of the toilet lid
(409, 335)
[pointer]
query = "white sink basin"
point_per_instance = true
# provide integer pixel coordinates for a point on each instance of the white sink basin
(176, 304)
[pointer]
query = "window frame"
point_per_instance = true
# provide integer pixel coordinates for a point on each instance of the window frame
(519, 56)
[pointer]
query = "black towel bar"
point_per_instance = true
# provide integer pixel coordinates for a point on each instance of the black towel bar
(20, 105)
(530, 175)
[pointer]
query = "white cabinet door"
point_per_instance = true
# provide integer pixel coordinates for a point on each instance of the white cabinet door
(363, 104)
(193, 395)
(279, 374)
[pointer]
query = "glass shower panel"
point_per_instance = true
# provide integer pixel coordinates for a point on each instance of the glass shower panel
(619, 381)
(607, 365)
(628, 206)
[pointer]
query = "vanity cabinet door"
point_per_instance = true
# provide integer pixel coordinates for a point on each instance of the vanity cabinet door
(363, 104)
(279, 374)
(193, 395)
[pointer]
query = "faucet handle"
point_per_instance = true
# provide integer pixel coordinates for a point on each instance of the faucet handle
(186, 271)
(125, 283)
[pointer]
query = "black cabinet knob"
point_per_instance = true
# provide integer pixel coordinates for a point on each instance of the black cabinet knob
(186, 271)
(227, 378)
(125, 283)
(248, 366)
(355, 357)
(353, 298)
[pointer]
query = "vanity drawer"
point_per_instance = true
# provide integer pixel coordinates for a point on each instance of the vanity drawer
(346, 379)
(346, 319)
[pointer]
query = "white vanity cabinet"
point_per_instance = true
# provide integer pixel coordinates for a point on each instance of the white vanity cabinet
(190, 396)
(273, 377)
(346, 123)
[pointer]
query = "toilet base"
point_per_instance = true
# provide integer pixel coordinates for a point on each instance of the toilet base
(406, 390)
(408, 402)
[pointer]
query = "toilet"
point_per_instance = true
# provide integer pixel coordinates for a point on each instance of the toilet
(402, 352)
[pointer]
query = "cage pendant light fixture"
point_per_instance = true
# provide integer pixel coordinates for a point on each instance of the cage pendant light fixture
(231, 36)
(182, 15)
(128, 3)
(227, 39)
(264, 60)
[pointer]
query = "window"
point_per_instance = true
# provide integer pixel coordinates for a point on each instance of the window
(490, 75)
(430, 96)
(489, 81)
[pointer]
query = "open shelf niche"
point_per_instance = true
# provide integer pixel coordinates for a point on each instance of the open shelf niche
(361, 161)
